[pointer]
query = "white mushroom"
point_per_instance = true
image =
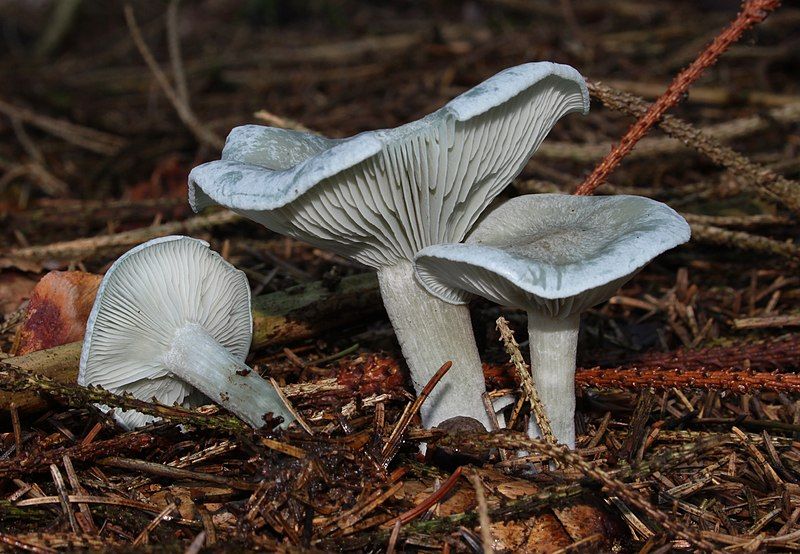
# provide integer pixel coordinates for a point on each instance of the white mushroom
(172, 316)
(554, 256)
(381, 196)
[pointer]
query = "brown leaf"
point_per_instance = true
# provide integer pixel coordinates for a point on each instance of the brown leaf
(584, 518)
(538, 534)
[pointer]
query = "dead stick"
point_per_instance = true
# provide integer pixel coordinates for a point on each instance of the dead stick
(434, 498)
(753, 12)
(740, 240)
(766, 322)
(171, 472)
(85, 247)
(767, 183)
(390, 448)
(664, 379)
(185, 113)
(89, 139)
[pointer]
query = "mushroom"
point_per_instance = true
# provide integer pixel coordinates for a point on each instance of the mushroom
(554, 256)
(381, 196)
(171, 316)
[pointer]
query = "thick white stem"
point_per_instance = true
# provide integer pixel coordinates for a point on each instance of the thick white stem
(554, 344)
(198, 359)
(431, 332)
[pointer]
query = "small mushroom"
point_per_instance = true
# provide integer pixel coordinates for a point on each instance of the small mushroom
(381, 196)
(554, 256)
(171, 316)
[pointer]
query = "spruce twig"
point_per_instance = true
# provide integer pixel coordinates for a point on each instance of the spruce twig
(526, 379)
(752, 13)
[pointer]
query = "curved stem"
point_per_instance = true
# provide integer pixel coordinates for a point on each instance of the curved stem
(554, 344)
(198, 359)
(431, 332)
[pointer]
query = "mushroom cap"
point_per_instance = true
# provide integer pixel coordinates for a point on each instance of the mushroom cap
(381, 196)
(148, 294)
(552, 253)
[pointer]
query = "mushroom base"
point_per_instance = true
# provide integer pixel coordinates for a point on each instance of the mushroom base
(196, 358)
(554, 344)
(430, 333)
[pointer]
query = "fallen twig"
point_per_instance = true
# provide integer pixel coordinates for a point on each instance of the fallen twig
(200, 131)
(741, 240)
(89, 139)
(634, 378)
(395, 439)
(16, 379)
(769, 184)
(753, 12)
(483, 514)
(526, 379)
(86, 247)
(172, 472)
(766, 322)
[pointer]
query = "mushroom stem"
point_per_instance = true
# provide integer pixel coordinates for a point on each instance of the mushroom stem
(554, 345)
(198, 359)
(431, 332)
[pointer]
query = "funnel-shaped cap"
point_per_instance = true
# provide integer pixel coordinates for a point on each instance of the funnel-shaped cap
(381, 196)
(554, 254)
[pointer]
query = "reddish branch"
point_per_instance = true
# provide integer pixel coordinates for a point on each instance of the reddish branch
(660, 378)
(36, 460)
(435, 497)
(720, 368)
(752, 13)
(766, 355)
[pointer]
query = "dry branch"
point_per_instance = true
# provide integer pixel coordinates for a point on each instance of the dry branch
(185, 113)
(711, 95)
(753, 12)
(635, 378)
(86, 247)
(89, 139)
(523, 373)
(741, 240)
(766, 322)
(767, 183)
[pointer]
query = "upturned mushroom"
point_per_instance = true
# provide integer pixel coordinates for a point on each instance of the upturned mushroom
(172, 316)
(379, 197)
(554, 256)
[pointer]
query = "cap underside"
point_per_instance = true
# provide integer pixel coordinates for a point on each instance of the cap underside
(145, 297)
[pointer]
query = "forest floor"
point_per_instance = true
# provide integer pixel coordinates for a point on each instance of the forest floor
(688, 401)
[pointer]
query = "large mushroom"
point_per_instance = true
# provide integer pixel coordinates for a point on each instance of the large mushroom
(172, 316)
(554, 256)
(379, 197)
